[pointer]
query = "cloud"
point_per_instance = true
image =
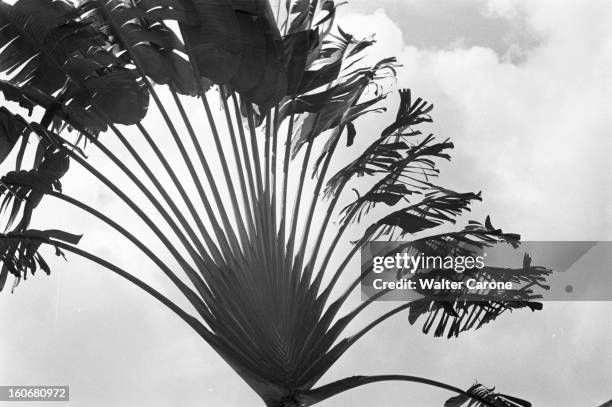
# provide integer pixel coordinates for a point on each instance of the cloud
(533, 136)
(445, 23)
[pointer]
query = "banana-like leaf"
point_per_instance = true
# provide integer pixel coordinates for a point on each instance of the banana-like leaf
(25, 189)
(456, 311)
(409, 113)
(439, 206)
(299, 13)
(406, 176)
(455, 317)
(329, 108)
(35, 42)
(11, 130)
(377, 158)
(320, 68)
(307, 62)
(105, 90)
(299, 48)
(333, 54)
(476, 396)
(237, 43)
(28, 97)
(19, 252)
(157, 47)
(488, 398)
(46, 48)
(384, 153)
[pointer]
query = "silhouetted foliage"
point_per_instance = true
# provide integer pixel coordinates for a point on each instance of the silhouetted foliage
(291, 84)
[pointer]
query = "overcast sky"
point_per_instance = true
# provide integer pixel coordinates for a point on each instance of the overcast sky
(523, 89)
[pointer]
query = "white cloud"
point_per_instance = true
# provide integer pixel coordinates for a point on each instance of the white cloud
(533, 136)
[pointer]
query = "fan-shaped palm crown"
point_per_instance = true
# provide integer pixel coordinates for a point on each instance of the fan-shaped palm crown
(258, 258)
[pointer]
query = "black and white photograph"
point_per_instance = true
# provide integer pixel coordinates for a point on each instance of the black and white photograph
(289, 203)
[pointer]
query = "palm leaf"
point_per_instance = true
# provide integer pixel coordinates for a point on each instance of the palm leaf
(237, 43)
(19, 253)
(30, 26)
(60, 113)
(405, 176)
(44, 47)
(332, 107)
(156, 46)
(11, 130)
(481, 396)
(439, 206)
(410, 113)
(377, 158)
(25, 189)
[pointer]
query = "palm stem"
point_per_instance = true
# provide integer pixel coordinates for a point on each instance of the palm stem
(222, 158)
(211, 181)
(240, 168)
(245, 154)
(261, 201)
(311, 212)
(286, 160)
(330, 251)
(297, 204)
(268, 142)
(178, 185)
(189, 294)
(337, 351)
(319, 241)
(255, 151)
(258, 224)
(282, 252)
(191, 273)
(190, 167)
(169, 201)
(270, 204)
(324, 392)
(190, 320)
(274, 168)
(191, 250)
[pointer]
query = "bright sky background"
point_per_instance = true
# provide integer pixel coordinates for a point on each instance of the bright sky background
(523, 89)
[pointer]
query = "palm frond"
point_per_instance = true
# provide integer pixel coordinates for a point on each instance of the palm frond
(12, 129)
(377, 158)
(156, 46)
(439, 206)
(238, 44)
(19, 252)
(45, 48)
(25, 189)
(409, 114)
(405, 176)
(452, 318)
(29, 97)
(481, 396)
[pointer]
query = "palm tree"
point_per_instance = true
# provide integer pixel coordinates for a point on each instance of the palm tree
(253, 266)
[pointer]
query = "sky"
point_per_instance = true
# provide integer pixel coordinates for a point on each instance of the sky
(521, 87)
